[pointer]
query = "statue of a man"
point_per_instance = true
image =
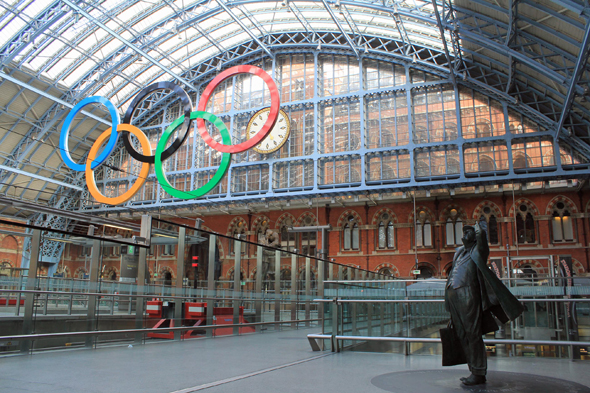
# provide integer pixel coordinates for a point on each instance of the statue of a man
(473, 293)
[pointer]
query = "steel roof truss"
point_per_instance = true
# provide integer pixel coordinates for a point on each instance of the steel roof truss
(580, 65)
(444, 42)
(302, 20)
(239, 22)
(337, 22)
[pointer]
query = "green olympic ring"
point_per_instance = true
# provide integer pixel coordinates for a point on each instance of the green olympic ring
(221, 171)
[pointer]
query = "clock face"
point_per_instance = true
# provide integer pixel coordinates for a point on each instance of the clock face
(276, 137)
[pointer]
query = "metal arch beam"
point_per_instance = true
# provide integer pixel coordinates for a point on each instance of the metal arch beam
(252, 20)
(128, 43)
(239, 22)
(571, 91)
(52, 14)
(510, 37)
(444, 41)
(39, 177)
(496, 47)
(417, 14)
(351, 23)
(297, 12)
(350, 43)
(49, 96)
(532, 51)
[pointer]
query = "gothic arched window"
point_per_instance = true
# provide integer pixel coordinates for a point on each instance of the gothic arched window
(562, 224)
(525, 225)
(423, 230)
(238, 232)
(385, 232)
(493, 229)
(350, 234)
(454, 228)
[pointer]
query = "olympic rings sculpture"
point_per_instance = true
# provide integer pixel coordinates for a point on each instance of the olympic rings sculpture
(182, 125)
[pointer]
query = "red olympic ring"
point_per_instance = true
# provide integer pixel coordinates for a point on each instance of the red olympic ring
(266, 128)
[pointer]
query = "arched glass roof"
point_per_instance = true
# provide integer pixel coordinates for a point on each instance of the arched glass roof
(529, 54)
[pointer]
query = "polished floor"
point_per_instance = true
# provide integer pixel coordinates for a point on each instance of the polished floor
(267, 362)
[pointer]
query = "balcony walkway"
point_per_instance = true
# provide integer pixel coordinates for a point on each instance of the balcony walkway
(270, 362)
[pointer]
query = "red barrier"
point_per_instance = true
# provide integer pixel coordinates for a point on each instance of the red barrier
(11, 302)
(154, 308)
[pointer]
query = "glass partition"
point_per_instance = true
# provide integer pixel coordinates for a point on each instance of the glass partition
(152, 279)
(414, 309)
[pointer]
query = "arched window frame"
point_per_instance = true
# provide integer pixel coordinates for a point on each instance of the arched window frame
(385, 235)
(423, 235)
(351, 235)
(453, 228)
(493, 230)
(526, 228)
(238, 232)
(288, 239)
(562, 224)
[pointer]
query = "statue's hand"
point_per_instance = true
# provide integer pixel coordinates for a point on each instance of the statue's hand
(477, 228)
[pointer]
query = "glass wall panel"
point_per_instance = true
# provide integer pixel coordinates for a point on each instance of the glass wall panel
(293, 174)
(301, 139)
(387, 120)
(339, 75)
(437, 162)
(532, 153)
(521, 125)
(296, 74)
(388, 166)
(381, 74)
(339, 127)
(480, 115)
(339, 170)
(250, 178)
(486, 158)
(434, 116)
(250, 91)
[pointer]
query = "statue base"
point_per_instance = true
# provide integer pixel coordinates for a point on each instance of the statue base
(443, 381)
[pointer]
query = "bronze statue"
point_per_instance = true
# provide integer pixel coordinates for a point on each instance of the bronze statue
(472, 294)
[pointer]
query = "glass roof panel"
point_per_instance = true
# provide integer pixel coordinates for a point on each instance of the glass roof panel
(17, 18)
(132, 12)
(152, 19)
(146, 75)
(79, 71)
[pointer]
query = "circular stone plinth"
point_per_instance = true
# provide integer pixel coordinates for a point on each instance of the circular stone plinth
(442, 381)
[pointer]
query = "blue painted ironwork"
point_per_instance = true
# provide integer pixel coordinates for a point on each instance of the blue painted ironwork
(580, 66)
(532, 100)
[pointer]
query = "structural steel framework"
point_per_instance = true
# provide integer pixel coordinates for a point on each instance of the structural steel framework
(529, 57)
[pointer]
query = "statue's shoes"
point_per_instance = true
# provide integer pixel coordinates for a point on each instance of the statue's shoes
(474, 380)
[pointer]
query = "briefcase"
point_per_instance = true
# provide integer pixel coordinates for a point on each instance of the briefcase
(452, 349)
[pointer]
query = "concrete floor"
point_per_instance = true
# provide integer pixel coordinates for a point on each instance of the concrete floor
(267, 362)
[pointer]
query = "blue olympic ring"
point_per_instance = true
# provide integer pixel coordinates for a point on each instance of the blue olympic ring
(65, 131)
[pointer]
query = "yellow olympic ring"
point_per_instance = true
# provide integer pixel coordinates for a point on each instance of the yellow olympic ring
(141, 178)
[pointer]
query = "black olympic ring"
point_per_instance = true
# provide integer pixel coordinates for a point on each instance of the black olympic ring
(183, 133)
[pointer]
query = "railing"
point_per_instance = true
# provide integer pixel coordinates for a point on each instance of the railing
(392, 316)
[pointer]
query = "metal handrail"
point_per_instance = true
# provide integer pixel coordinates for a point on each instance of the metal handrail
(149, 330)
(560, 300)
(126, 295)
(438, 340)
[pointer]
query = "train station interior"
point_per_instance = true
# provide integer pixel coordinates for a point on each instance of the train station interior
(265, 196)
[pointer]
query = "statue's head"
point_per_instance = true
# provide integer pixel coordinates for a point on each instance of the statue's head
(468, 236)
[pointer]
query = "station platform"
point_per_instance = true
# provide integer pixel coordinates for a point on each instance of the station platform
(270, 362)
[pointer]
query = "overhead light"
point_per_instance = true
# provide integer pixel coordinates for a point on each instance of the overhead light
(118, 227)
(366, 48)
(218, 66)
(414, 58)
(320, 46)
